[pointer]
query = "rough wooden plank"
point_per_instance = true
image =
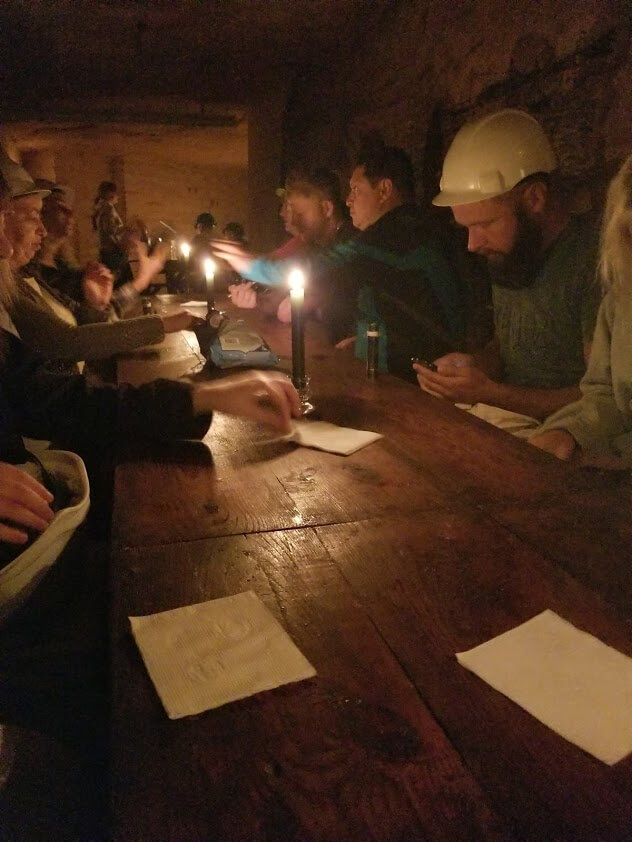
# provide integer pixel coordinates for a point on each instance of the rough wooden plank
(352, 754)
(446, 582)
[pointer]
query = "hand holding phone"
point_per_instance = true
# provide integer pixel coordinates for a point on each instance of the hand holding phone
(425, 363)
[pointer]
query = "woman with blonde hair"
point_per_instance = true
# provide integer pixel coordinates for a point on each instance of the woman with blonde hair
(601, 422)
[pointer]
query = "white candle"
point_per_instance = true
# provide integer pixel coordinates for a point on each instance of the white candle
(297, 297)
(209, 274)
(185, 248)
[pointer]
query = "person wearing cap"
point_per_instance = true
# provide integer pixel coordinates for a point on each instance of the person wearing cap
(53, 632)
(498, 178)
(317, 214)
(63, 330)
(391, 271)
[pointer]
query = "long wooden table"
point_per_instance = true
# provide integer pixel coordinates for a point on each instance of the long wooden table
(381, 566)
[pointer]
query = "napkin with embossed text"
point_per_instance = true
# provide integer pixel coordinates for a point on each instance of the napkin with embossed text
(569, 680)
(202, 656)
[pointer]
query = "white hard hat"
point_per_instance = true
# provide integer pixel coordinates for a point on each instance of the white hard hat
(490, 156)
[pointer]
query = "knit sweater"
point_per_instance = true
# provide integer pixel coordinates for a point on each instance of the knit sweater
(601, 422)
(91, 338)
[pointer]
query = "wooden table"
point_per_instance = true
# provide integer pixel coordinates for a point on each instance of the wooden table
(381, 566)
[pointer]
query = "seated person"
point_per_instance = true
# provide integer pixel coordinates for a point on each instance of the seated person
(312, 209)
(108, 225)
(391, 269)
(601, 422)
(204, 227)
(49, 321)
(542, 266)
(234, 232)
(54, 264)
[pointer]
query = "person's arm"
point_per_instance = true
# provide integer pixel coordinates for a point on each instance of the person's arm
(466, 378)
(47, 334)
(596, 420)
(71, 410)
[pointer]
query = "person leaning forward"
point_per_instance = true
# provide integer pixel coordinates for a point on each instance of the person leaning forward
(498, 180)
(391, 272)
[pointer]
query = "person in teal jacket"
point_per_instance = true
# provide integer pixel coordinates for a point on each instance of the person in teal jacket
(391, 272)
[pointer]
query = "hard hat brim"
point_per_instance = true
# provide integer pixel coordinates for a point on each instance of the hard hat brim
(448, 199)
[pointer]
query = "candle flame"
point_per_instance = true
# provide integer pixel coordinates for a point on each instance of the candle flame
(185, 248)
(296, 279)
(209, 268)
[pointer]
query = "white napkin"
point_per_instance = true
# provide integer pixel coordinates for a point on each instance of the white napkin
(186, 305)
(205, 655)
(566, 678)
(325, 436)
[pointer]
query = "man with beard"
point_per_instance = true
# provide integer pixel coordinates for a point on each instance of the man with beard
(393, 272)
(497, 179)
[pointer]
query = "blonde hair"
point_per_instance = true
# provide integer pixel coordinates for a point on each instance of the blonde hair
(615, 257)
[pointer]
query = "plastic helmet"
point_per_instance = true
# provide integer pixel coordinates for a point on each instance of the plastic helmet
(490, 156)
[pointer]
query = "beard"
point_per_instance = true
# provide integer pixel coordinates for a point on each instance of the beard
(519, 268)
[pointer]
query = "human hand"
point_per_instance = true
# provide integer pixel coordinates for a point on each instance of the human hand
(284, 310)
(560, 443)
(149, 265)
(233, 254)
(181, 321)
(457, 379)
(243, 295)
(97, 285)
(24, 502)
(264, 396)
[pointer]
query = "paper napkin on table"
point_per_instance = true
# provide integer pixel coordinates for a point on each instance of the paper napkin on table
(326, 436)
(205, 655)
(569, 680)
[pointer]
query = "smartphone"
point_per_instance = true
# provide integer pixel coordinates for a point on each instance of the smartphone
(424, 363)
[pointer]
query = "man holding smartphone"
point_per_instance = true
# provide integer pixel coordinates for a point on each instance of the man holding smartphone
(498, 179)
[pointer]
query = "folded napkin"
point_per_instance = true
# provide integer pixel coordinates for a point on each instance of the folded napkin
(566, 678)
(205, 655)
(325, 436)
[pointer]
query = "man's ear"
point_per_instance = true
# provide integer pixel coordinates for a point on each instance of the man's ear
(327, 207)
(534, 197)
(385, 189)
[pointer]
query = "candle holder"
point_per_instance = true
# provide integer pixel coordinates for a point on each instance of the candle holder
(304, 396)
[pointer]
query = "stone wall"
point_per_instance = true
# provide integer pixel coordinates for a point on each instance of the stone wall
(427, 67)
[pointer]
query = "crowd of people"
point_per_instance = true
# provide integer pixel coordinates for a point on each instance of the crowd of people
(557, 371)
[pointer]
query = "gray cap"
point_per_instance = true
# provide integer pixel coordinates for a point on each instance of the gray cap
(18, 180)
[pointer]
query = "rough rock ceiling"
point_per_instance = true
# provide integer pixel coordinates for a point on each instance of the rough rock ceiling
(207, 49)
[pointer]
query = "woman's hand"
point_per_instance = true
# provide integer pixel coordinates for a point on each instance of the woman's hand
(23, 501)
(149, 265)
(267, 397)
(97, 285)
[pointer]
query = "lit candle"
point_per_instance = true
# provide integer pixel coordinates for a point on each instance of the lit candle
(185, 248)
(209, 274)
(297, 297)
